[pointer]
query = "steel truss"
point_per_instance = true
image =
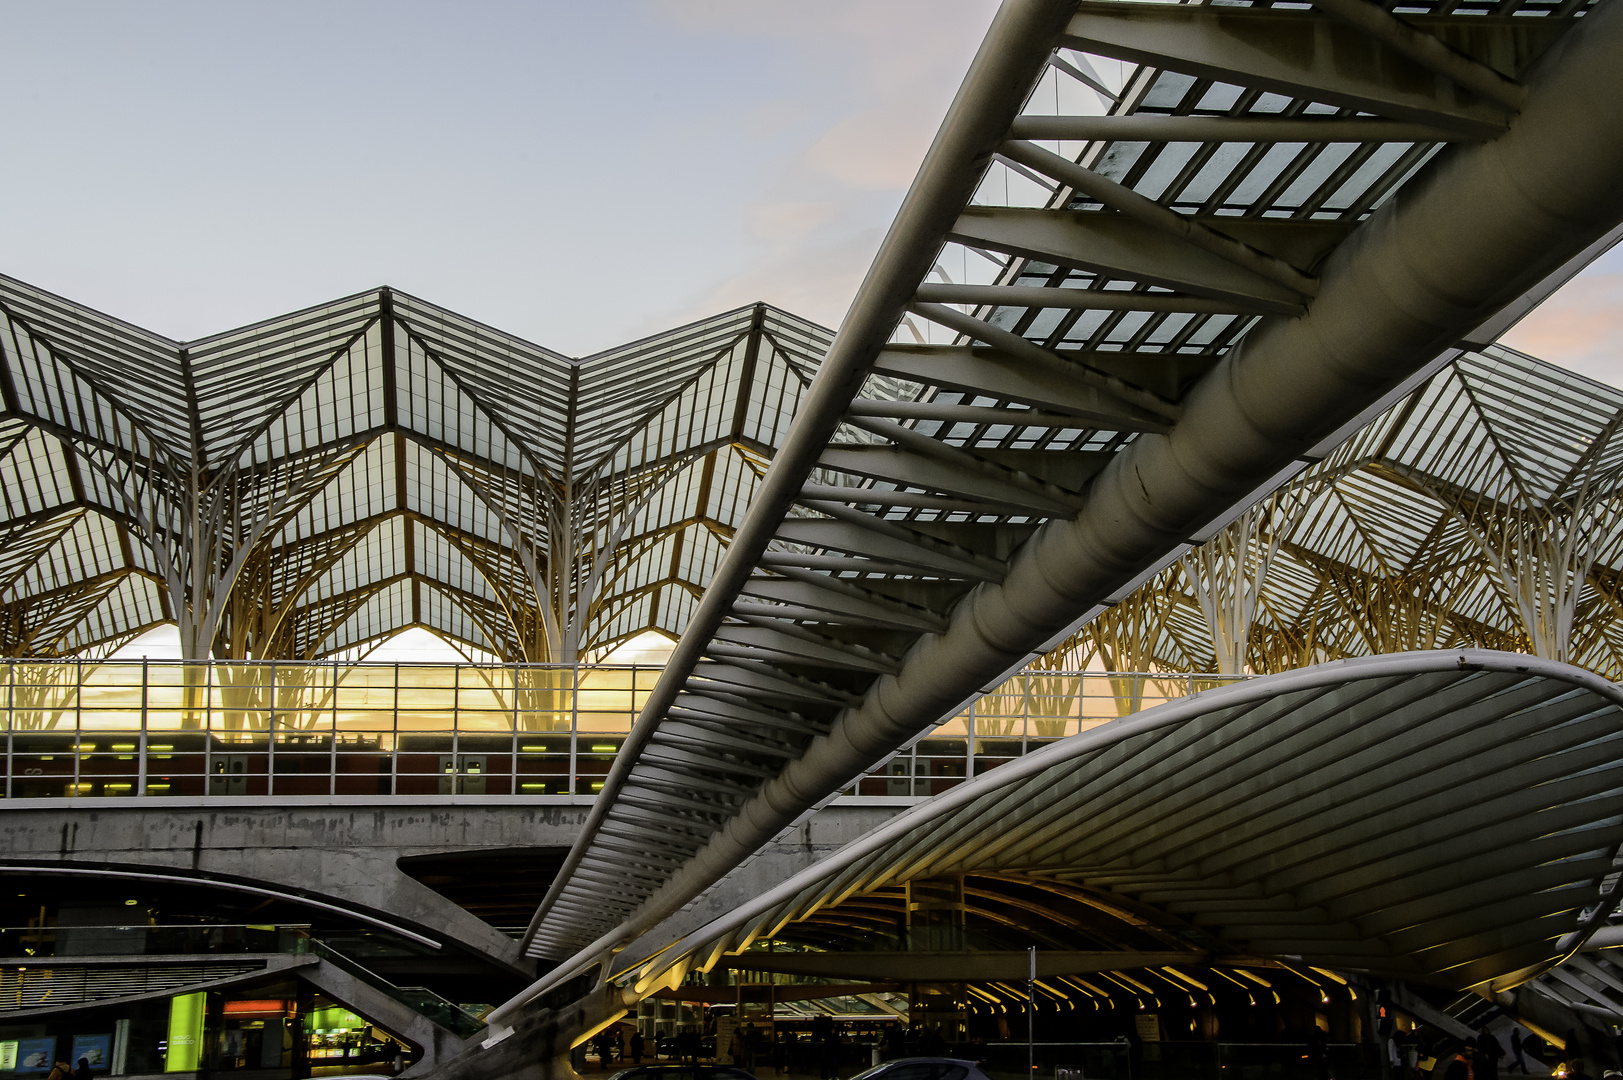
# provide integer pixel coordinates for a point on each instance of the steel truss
(308, 486)
(1443, 817)
(1484, 510)
(1288, 220)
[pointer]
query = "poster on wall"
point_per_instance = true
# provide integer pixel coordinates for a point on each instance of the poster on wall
(185, 1049)
(8, 1055)
(96, 1050)
(35, 1055)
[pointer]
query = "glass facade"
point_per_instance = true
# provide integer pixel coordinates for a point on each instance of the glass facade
(115, 729)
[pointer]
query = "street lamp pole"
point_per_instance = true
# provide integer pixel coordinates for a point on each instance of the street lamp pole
(1031, 1014)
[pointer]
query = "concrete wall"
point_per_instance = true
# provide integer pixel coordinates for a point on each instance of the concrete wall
(829, 830)
(345, 851)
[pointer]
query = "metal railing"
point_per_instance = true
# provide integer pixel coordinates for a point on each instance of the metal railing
(31, 984)
(171, 939)
(151, 728)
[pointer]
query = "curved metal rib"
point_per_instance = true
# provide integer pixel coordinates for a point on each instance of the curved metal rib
(875, 539)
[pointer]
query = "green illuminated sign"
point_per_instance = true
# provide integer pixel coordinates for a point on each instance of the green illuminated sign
(185, 1033)
(335, 1018)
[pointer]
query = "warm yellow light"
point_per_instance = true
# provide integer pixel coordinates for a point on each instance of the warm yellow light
(1051, 990)
(1188, 979)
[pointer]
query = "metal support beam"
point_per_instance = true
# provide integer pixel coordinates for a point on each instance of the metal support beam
(1469, 236)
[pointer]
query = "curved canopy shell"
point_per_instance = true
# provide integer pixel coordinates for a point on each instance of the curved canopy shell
(1445, 817)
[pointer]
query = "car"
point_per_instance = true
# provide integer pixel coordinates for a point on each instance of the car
(924, 1068)
(682, 1072)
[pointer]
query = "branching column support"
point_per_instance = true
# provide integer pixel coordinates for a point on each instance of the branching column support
(1542, 557)
(1226, 573)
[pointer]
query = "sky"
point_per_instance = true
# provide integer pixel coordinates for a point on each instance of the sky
(579, 174)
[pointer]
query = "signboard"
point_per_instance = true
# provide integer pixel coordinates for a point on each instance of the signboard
(185, 1050)
(725, 1027)
(8, 1055)
(97, 1050)
(35, 1055)
(1148, 1026)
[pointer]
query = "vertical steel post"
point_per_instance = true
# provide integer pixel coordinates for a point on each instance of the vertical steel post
(141, 743)
(78, 721)
(394, 729)
(270, 735)
(1031, 1014)
(512, 781)
(574, 731)
(969, 743)
(11, 718)
(456, 741)
(332, 739)
(208, 728)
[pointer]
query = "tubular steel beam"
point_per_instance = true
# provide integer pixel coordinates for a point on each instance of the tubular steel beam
(1009, 61)
(1478, 228)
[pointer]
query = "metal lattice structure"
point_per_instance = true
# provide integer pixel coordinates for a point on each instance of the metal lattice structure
(1088, 343)
(1485, 510)
(1319, 855)
(308, 486)
(1446, 817)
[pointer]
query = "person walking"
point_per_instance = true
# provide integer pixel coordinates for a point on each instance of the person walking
(1518, 1063)
(1488, 1053)
(1316, 1047)
(638, 1045)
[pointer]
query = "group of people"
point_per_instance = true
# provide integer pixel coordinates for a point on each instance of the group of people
(1479, 1058)
(63, 1071)
(612, 1047)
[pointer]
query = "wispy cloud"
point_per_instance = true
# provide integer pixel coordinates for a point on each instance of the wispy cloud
(1581, 326)
(823, 205)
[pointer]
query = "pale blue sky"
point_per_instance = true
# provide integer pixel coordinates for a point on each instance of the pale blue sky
(576, 173)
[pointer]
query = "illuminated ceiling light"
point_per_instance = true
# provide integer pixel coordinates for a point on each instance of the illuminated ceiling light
(1188, 979)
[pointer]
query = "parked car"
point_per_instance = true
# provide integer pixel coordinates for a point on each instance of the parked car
(682, 1072)
(924, 1068)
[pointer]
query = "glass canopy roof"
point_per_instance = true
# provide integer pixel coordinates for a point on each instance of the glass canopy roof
(310, 485)
(1484, 509)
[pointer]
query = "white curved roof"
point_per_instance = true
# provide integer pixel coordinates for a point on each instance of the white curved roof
(1445, 817)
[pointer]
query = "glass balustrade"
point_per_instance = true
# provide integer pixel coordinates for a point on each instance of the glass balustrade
(113, 729)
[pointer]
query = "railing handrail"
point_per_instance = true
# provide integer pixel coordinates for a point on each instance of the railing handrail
(509, 730)
(164, 926)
